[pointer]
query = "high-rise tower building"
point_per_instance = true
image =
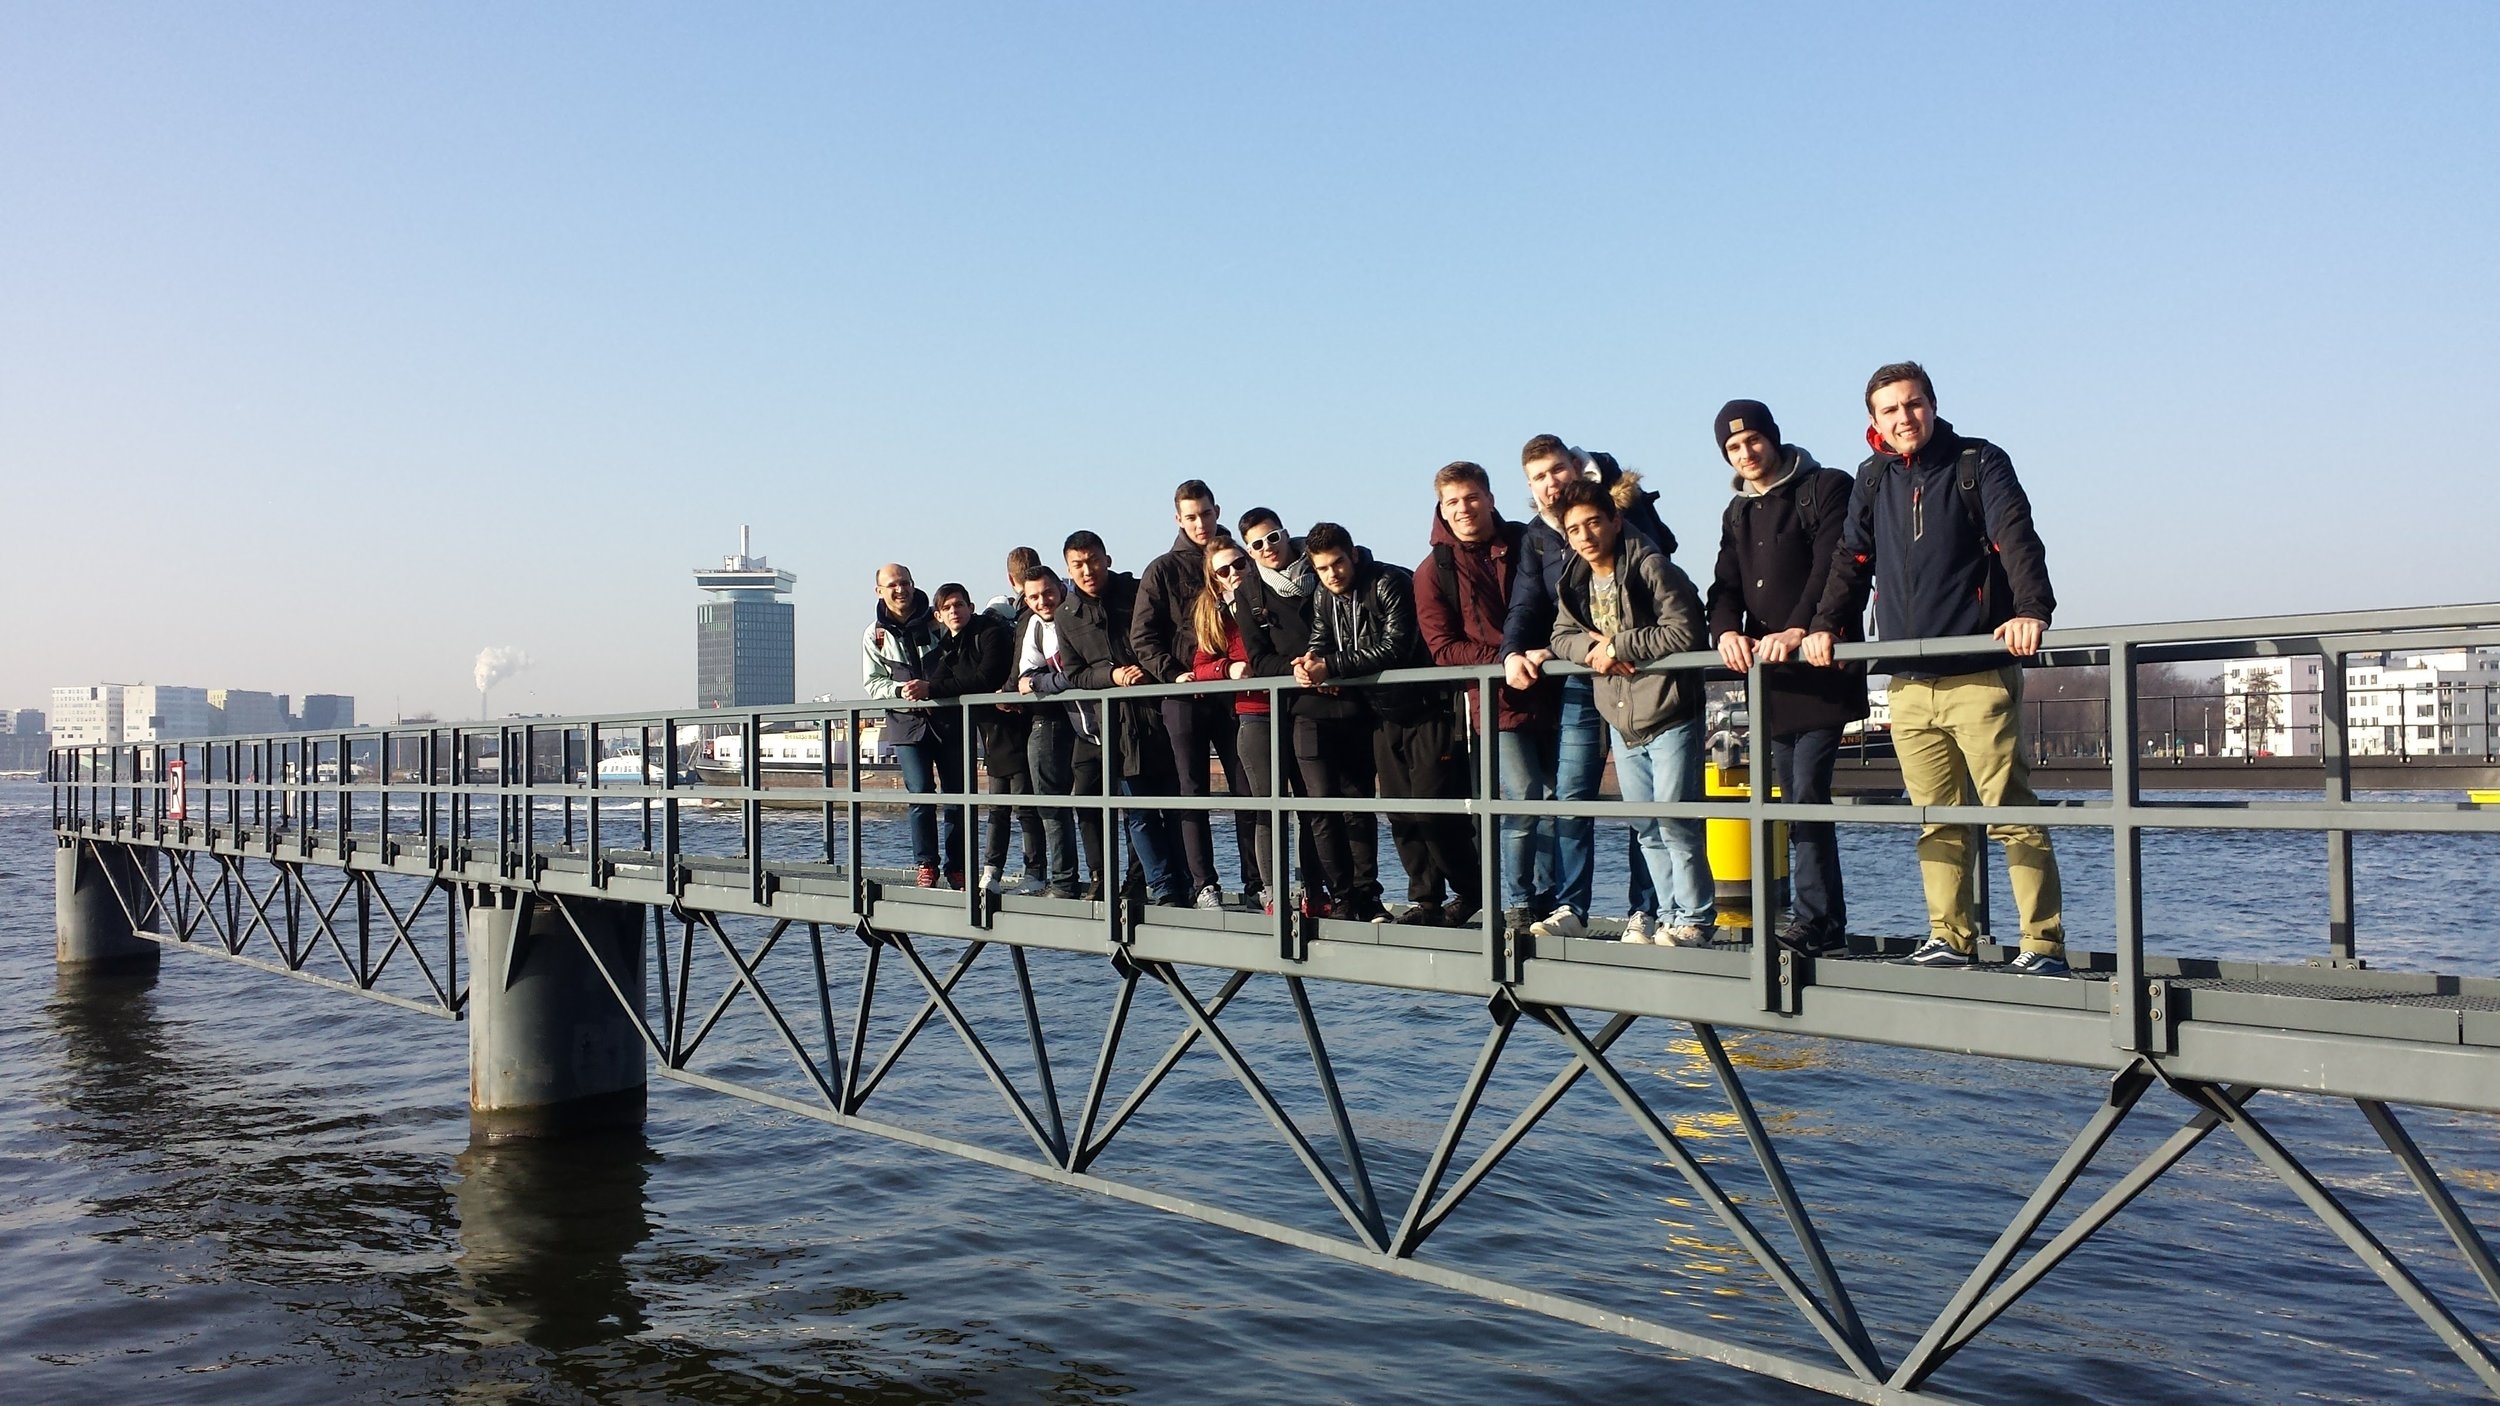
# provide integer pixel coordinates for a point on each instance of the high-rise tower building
(745, 636)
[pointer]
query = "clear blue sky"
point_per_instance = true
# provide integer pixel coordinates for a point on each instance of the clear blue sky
(339, 341)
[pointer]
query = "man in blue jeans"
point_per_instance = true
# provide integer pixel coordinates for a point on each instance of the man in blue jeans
(1568, 763)
(1776, 543)
(896, 652)
(1621, 604)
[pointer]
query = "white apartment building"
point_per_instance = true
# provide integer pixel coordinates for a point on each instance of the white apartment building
(88, 715)
(162, 712)
(2272, 707)
(2417, 705)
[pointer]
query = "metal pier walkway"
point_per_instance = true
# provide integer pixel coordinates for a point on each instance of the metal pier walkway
(490, 873)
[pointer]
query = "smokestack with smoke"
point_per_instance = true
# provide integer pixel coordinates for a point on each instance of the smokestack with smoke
(495, 663)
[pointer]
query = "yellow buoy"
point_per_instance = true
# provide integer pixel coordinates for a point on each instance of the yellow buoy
(1731, 854)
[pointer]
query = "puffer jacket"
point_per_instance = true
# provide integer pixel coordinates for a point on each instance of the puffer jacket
(1662, 616)
(896, 652)
(981, 658)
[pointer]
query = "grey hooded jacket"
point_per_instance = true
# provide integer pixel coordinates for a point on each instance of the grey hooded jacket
(1662, 616)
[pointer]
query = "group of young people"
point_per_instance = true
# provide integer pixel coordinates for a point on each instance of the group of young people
(1936, 518)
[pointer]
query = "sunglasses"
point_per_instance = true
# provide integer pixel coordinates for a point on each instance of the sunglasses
(1229, 568)
(1269, 540)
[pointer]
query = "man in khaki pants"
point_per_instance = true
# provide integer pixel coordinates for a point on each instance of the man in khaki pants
(1942, 519)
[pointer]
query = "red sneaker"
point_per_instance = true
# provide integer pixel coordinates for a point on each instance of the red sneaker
(928, 876)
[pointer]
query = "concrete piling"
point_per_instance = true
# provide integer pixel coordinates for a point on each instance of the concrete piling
(551, 1052)
(91, 925)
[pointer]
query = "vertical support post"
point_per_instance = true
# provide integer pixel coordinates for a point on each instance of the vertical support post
(2130, 1001)
(1774, 967)
(1497, 935)
(2334, 750)
(553, 1050)
(751, 806)
(96, 888)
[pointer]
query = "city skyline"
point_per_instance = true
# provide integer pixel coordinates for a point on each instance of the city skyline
(339, 344)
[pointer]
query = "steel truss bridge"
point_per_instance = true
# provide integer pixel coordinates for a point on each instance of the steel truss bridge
(362, 860)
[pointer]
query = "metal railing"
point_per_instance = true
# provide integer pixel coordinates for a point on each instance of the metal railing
(531, 785)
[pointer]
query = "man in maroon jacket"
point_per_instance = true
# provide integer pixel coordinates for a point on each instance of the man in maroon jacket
(1462, 598)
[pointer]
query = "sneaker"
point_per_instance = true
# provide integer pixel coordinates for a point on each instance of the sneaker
(1639, 928)
(1061, 891)
(1683, 935)
(990, 881)
(1461, 913)
(1562, 922)
(1421, 915)
(1032, 883)
(928, 876)
(1208, 899)
(955, 878)
(1093, 890)
(2039, 964)
(1259, 901)
(1316, 905)
(1935, 952)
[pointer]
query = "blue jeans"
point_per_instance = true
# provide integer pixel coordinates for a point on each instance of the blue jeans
(1527, 759)
(1668, 768)
(1580, 764)
(925, 765)
(1803, 764)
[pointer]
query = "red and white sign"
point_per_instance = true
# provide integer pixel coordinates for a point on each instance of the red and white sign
(177, 799)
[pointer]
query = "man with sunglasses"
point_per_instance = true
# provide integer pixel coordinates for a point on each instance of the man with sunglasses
(1272, 608)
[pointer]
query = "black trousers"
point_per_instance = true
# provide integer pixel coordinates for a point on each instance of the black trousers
(1335, 757)
(1198, 726)
(1427, 759)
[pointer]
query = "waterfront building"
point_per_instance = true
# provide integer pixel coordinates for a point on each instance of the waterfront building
(2416, 705)
(745, 636)
(2273, 707)
(25, 722)
(246, 712)
(153, 712)
(89, 715)
(327, 712)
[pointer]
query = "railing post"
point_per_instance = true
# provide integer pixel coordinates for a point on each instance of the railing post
(2334, 752)
(2131, 1002)
(1774, 966)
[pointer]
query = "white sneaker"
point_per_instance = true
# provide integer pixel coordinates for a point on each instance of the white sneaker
(1210, 898)
(1682, 935)
(1639, 928)
(989, 878)
(1562, 922)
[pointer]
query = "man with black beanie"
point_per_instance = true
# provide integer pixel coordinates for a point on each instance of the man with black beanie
(1776, 542)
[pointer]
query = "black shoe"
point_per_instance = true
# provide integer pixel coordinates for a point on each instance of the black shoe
(1935, 952)
(1421, 915)
(1093, 891)
(1062, 891)
(1461, 913)
(1813, 940)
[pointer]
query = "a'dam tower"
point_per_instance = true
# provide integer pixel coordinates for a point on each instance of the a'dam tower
(745, 636)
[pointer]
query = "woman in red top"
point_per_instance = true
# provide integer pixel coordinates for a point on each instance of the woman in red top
(1211, 619)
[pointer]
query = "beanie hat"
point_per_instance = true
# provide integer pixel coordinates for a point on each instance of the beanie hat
(1738, 416)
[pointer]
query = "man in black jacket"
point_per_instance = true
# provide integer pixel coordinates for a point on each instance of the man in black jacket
(1776, 542)
(1094, 653)
(1362, 622)
(979, 656)
(1165, 646)
(1943, 521)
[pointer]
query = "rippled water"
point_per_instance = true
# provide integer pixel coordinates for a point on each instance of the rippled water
(222, 1186)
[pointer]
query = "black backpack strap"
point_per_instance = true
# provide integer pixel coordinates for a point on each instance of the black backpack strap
(1972, 502)
(1445, 569)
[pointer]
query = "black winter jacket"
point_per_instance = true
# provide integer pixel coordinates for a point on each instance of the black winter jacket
(1093, 642)
(1943, 573)
(982, 659)
(1775, 558)
(1160, 634)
